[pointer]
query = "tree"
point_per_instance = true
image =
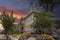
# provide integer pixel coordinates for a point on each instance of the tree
(20, 25)
(57, 22)
(49, 4)
(7, 22)
(43, 20)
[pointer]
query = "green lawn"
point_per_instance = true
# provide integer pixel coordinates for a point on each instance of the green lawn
(15, 35)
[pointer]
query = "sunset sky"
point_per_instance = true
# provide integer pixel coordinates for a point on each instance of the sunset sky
(20, 7)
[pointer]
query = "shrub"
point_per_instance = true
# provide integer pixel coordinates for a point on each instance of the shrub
(46, 37)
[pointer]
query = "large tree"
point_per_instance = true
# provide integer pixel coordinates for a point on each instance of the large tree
(43, 20)
(57, 22)
(49, 4)
(7, 22)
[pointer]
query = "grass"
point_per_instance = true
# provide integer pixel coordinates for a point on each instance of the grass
(15, 35)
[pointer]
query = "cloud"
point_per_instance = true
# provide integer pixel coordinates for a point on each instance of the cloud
(21, 0)
(18, 13)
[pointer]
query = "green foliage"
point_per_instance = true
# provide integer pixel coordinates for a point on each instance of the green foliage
(42, 20)
(46, 37)
(15, 35)
(7, 22)
(57, 22)
(49, 4)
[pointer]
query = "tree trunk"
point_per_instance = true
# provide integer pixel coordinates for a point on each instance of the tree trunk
(7, 37)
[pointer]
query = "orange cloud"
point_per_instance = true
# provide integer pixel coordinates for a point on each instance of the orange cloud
(18, 13)
(18, 16)
(15, 14)
(1, 12)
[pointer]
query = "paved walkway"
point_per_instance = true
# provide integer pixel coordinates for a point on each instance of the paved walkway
(2, 37)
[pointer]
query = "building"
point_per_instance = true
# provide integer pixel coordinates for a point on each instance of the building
(20, 26)
(28, 20)
(1, 26)
(27, 23)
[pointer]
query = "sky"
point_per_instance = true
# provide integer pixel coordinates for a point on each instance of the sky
(20, 7)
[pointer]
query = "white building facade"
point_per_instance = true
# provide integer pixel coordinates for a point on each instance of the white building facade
(29, 19)
(27, 23)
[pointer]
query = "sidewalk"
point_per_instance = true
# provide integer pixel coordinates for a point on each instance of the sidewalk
(2, 37)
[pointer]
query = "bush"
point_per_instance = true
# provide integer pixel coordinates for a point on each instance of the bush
(24, 35)
(46, 37)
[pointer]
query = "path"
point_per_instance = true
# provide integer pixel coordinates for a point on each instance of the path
(2, 37)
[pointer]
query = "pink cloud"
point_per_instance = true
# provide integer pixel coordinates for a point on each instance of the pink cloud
(17, 12)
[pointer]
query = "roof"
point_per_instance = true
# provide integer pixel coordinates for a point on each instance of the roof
(29, 15)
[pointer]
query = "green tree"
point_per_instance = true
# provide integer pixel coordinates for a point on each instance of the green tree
(7, 22)
(57, 22)
(20, 26)
(43, 20)
(49, 4)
